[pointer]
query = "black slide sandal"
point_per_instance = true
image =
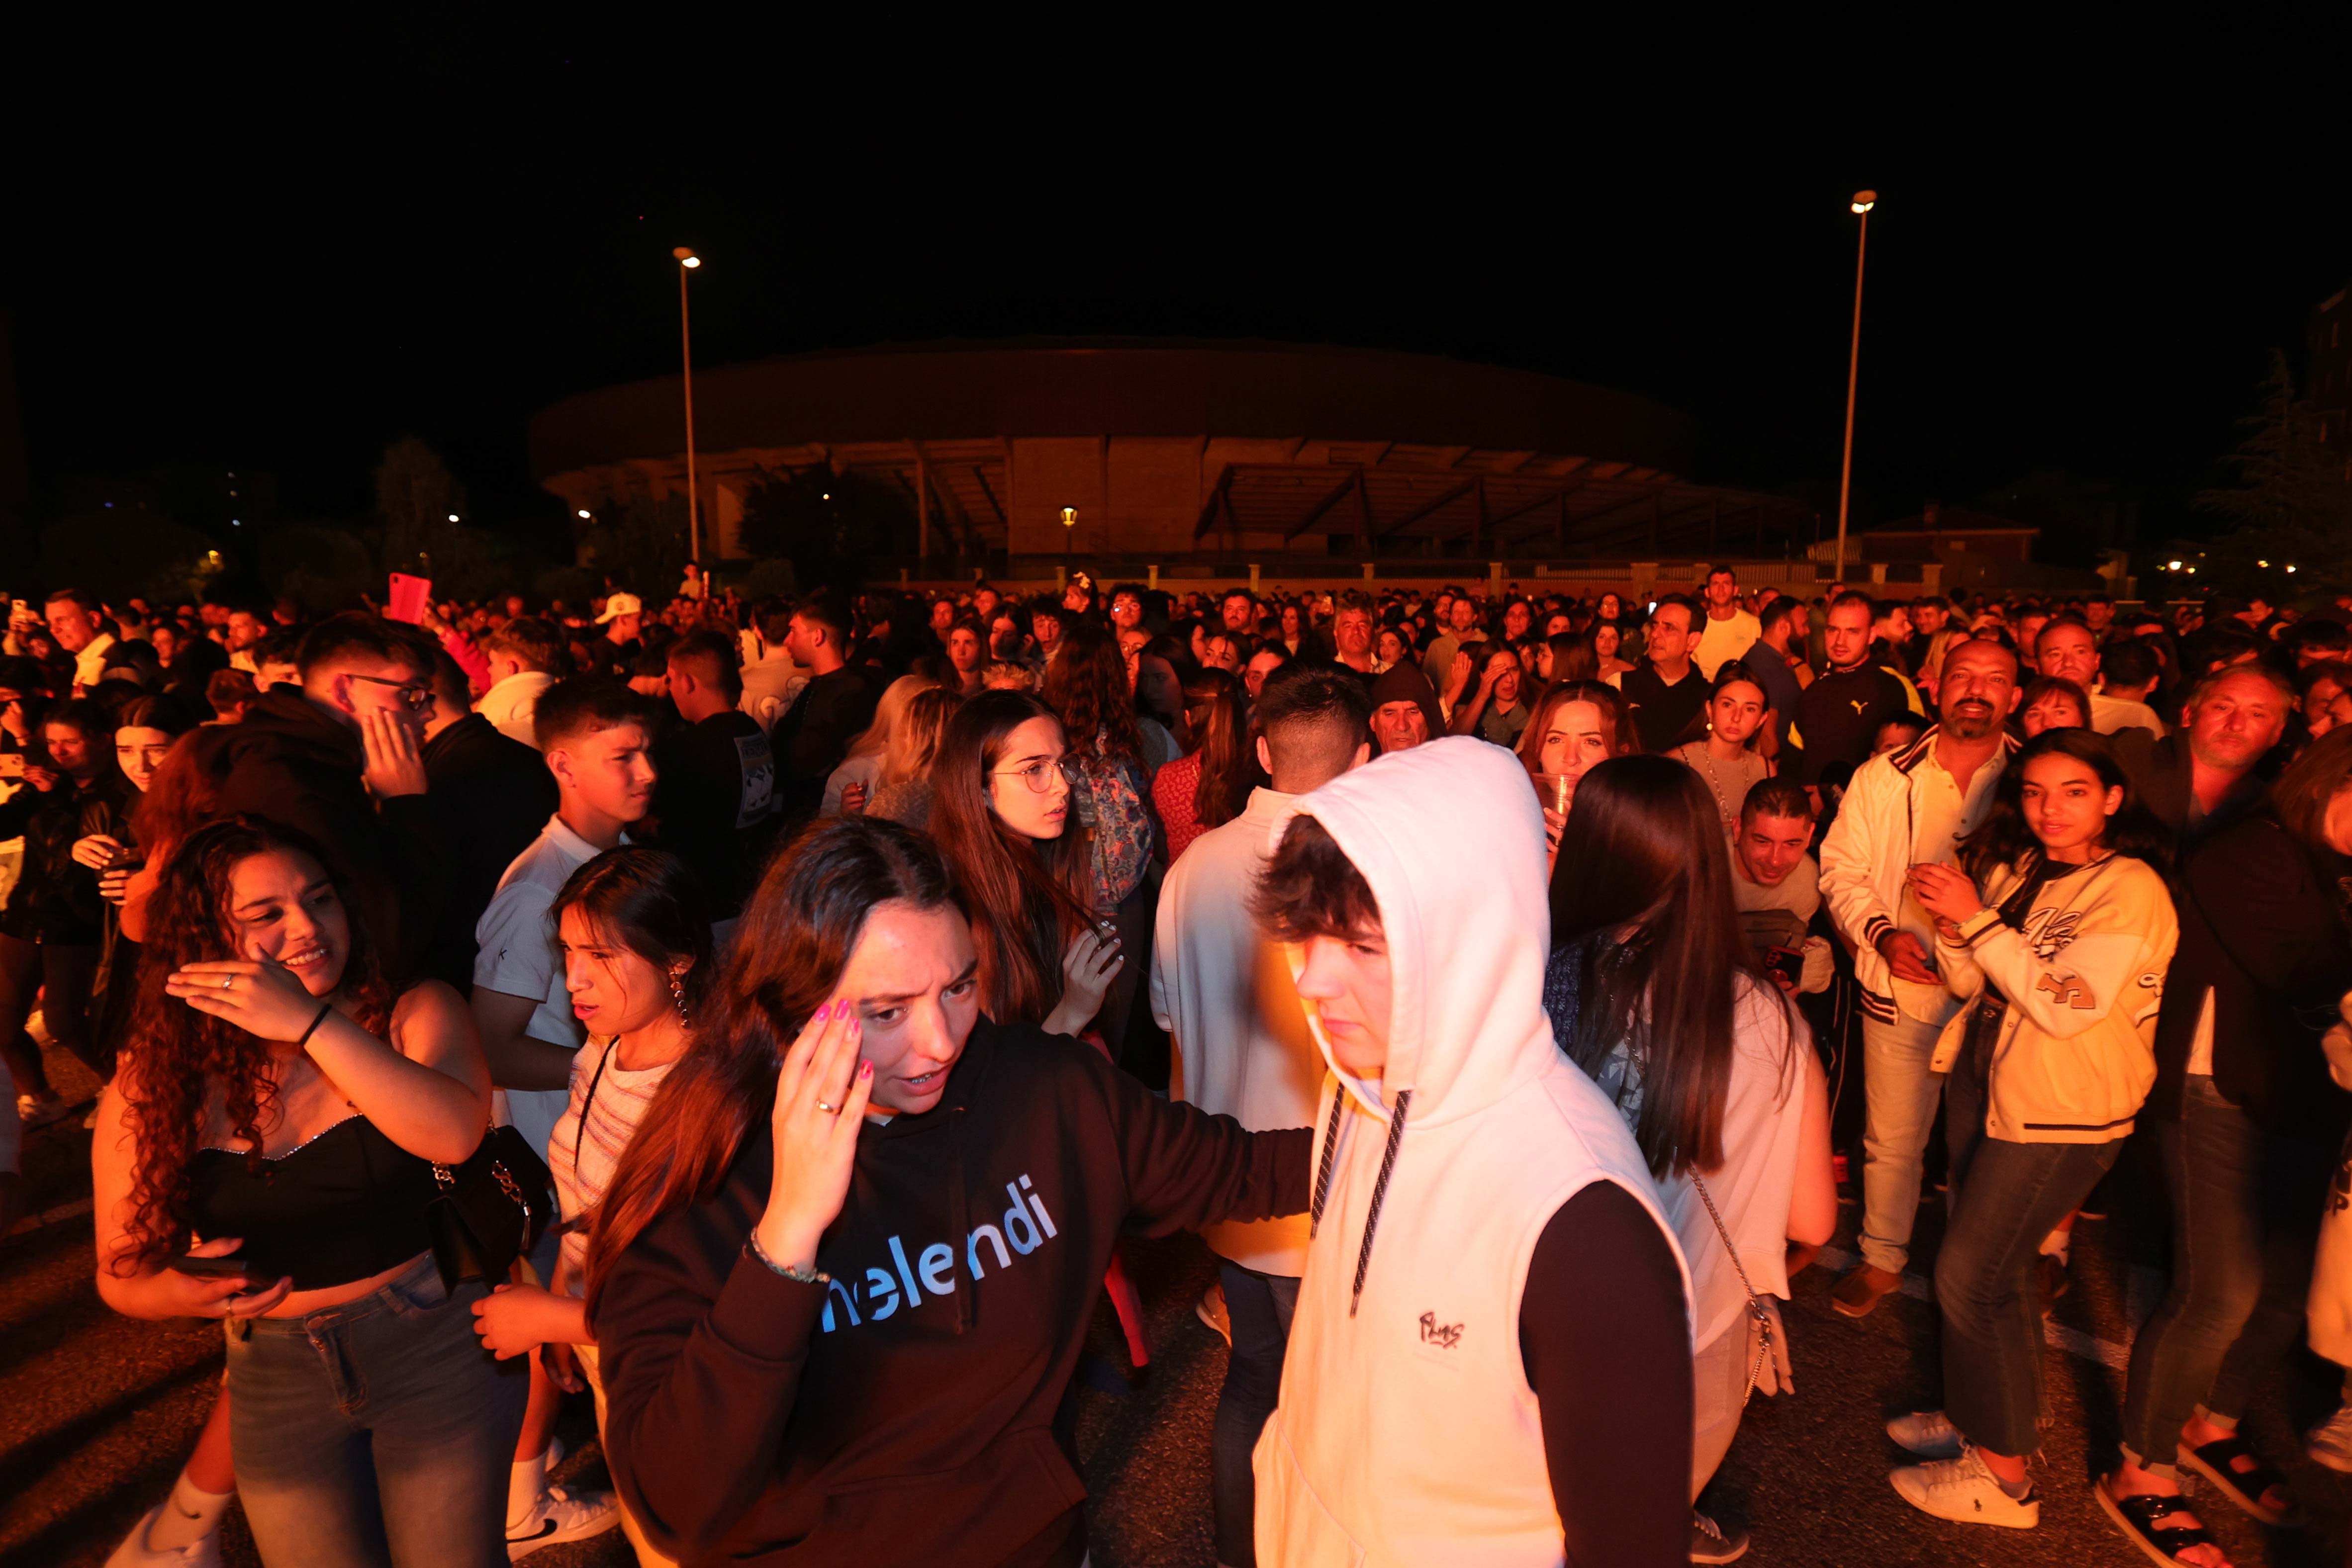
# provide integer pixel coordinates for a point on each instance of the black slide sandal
(2140, 1518)
(2243, 1488)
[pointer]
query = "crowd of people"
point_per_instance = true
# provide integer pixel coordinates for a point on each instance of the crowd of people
(1502, 985)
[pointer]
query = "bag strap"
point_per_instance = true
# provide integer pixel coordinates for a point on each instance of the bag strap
(1757, 1310)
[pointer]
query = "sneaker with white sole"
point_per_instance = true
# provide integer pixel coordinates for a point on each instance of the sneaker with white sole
(1211, 1310)
(560, 1515)
(1966, 1491)
(1711, 1544)
(1926, 1432)
(2330, 1442)
(135, 1551)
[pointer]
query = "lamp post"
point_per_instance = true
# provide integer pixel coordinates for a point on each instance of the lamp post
(1863, 201)
(686, 262)
(1069, 530)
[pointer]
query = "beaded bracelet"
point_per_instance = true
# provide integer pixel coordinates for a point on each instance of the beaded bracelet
(804, 1276)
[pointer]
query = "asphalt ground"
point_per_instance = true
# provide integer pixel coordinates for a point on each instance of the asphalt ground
(97, 1412)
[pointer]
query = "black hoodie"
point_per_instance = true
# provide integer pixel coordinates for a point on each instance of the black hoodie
(904, 1413)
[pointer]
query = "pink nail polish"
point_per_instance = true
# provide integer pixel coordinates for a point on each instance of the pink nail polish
(865, 1071)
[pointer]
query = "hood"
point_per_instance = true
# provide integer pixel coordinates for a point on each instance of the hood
(1451, 841)
(1404, 683)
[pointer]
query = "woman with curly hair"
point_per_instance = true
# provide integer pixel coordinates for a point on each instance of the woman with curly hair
(266, 1155)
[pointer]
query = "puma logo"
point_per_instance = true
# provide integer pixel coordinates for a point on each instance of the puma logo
(1858, 703)
(1444, 1336)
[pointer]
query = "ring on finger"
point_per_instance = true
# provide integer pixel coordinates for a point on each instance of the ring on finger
(828, 1110)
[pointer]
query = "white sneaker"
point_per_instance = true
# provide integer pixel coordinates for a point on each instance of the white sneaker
(1966, 1491)
(1926, 1432)
(134, 1552)
(1211, 1310)
(559, 1517)
(2330, 1442)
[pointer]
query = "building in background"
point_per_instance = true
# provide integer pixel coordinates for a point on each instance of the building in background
(1195, 458)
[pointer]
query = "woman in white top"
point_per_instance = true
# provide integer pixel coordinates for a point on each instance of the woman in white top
(1653, 992)
(1727, 759)
(635, 931)
(851, 784)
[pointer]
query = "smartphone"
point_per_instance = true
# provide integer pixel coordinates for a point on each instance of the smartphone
(1787, 962)
(211, 1268)
(12, 765)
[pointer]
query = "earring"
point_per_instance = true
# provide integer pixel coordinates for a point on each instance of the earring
(678, 994)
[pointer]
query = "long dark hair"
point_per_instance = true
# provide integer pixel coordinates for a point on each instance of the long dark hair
(2003, 838)
(174, 1054)
(652, 904)
(1216, 704)
(796, 936)
(2300, 798)
(1037, 890)
(1643, 853)
(1086, 685)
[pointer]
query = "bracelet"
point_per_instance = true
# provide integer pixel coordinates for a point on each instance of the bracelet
(324, 1009)
(804, 1276)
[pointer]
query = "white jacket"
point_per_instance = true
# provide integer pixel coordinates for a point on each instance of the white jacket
(1407, 1432)
(1865, 855)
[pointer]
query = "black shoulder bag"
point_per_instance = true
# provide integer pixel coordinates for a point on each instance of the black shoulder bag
(489, 1210)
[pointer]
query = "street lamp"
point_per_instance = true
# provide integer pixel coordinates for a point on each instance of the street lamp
(1069, 529)
(686, 262)
(1863, 201)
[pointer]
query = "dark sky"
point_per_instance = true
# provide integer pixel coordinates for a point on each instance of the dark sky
(285, 252)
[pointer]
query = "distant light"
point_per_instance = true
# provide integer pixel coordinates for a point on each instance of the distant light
(686, 257)
(826, 497)
(585, 513)
(2172, 566)
(694, 261)
(2263, 564)
(236, 523)
(214, 555)
(2290, 567)
(453, 517)
(109, 505)
(1069, 516)
(1865, 200)
(2192, 571)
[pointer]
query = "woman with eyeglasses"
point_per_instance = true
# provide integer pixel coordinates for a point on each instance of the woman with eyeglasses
(1001, 811)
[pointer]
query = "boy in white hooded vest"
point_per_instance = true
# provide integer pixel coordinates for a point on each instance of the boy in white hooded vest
(1490, 1359)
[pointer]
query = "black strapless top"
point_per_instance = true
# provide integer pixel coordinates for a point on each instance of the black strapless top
(348, 1203)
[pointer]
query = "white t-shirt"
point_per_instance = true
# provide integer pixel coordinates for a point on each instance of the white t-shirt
(2109, 715)
(511, 703)
(1763, 1116)
(1720, 641)
(515, 955)
(582, 1172)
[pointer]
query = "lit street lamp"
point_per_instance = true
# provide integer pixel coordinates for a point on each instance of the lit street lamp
(686, 262)
(1863, 201)
(1069, 529)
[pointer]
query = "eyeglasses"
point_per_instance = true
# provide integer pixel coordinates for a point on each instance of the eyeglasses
(1039, 775)
(418, 698)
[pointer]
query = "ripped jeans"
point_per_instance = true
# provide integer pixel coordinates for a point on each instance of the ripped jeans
(376, 1433)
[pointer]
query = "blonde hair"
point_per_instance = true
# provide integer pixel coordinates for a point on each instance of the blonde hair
(873, 740)
(915, 738)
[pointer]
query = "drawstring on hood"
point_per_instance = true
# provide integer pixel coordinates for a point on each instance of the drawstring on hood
(1466, 1025)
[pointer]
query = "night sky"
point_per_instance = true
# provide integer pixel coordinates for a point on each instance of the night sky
(283, 253)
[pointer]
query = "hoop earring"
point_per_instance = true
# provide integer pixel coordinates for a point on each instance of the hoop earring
(678, 994)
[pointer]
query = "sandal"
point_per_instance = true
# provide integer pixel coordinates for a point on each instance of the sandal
(2141, 1518)
(2245, 1488)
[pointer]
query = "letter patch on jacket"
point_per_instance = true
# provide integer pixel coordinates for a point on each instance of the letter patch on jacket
(2066, 991)
(1444, 1336)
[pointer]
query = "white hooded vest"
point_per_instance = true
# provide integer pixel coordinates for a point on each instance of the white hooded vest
(1407, 1432)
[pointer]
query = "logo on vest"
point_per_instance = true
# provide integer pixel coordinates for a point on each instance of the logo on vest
(1444, 1336)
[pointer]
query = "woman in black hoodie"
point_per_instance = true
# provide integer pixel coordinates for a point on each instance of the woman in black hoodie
(843, 1274)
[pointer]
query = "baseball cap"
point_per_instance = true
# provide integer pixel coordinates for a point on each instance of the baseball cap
(620, 604)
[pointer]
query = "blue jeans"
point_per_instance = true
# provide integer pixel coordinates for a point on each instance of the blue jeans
(1259, 1307)
(376, 1433)
(2245, 1219)
(2004, 1197)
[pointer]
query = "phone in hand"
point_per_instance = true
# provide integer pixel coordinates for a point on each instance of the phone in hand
(1789, 963)
(211, 1268)
(12, 765)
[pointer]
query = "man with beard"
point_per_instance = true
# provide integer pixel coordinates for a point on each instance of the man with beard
(1909, 807)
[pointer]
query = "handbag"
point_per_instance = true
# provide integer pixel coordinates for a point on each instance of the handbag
(491, 1210)
(1758, 1310)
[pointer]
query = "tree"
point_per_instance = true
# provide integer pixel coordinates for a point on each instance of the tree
(2292, 501)
(826, 524)
(417, 501)
(640, 544)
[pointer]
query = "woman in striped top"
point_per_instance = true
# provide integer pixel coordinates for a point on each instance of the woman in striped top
(634, 930)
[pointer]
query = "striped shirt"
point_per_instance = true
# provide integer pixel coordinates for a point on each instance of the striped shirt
(582, 1173)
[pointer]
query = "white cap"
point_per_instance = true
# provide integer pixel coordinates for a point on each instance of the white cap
(620, 604)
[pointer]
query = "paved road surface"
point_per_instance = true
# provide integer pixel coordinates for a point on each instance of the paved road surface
(96, 1412)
